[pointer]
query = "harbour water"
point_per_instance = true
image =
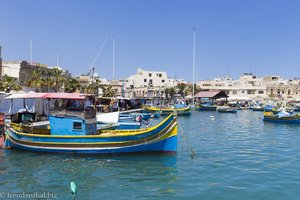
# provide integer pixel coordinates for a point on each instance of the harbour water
(220, 156)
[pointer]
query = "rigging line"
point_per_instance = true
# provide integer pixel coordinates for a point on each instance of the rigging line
(99, 52)
(194, 154)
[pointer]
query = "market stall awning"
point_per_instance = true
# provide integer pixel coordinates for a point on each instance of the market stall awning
(26, 96)
(65, 96)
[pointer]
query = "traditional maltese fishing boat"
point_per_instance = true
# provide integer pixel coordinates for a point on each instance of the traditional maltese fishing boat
(226, 109)
(182, 111)
(76, 132)
(281, 117)
(206, 107)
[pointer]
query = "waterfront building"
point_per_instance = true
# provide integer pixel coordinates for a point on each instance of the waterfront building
(249, 86)
(279, 88)
(22, 70)
(148, 84)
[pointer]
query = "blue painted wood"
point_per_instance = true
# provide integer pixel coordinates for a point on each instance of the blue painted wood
(71, 125)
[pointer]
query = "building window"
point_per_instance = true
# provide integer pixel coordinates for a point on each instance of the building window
(77, 125)
(289, 92)
(250, 91)
(159, 75)
(145, 80)
(234, 92)
(162, 81)
(260, 92)
(150, 75)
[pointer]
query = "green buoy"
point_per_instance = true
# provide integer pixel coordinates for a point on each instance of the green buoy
(73, 188)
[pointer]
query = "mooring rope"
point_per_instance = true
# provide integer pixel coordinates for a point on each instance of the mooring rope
(194, 154)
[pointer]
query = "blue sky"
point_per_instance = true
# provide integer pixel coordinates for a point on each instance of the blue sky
(232, 36)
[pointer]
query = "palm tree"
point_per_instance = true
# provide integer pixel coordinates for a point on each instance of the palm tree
(35, 80)
(93, 87)
(189, 89)
(72, 84)
(57, 79)
(181, 87)
(8, 83)
(172, 91)
(108, 91)
(167, 91)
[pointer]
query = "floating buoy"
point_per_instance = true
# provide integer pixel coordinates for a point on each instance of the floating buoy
(73, 188)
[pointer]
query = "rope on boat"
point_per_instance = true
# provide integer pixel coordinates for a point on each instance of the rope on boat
(194, 154)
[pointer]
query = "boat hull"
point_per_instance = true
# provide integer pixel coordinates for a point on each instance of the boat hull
(206, 108)
(281, 120)
(228, 111)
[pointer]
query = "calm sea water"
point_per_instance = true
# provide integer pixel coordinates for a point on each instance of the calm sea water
(236, 156)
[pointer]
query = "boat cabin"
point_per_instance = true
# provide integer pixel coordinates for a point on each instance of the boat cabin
(72, 125)
(77, 116)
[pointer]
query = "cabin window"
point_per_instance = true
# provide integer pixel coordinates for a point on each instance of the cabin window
(77, 125)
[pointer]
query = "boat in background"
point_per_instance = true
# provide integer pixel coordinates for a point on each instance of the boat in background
(184, 111)
(281, 117)
(206, 107)
(257, 108)
(226, 109)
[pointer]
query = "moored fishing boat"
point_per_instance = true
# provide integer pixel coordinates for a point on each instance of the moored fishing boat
(281, 118)
(226, 109)
(184, 111)
(257, 108)
(76, 132)
(160, 138)
(205, 107)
